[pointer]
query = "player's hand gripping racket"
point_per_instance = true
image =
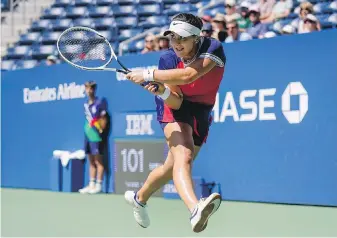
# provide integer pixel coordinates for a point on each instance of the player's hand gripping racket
(86, 49)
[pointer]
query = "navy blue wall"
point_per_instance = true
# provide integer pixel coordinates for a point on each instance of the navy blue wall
(253, 151)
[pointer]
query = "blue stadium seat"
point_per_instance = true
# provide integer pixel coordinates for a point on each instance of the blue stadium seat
(61, 24)
(83, 2)
(7, 64)
(139, 45)
(324, 21)
(104, 23)
(277, 26)
(127, 2)
(194, 1)
(40, 25)
(50, 38)
(171, 2)
(333, 6)
(103, 11)
(128, 33)
(18, 52)
(76, 12)
(106, 2)
(134, 46)
(119, 11)
(126, 22)
(26, 64)
(154, 21)
(149, 10)
(29, 38)
(292, 15)
(213, 11)
(322, 7)
(62, 3)
(87, 22)
(147, 2)
(311, 1)
(43, 51)
(180, 7)
(202, 4)
(53, 13)
(333, 19)
(109, 35)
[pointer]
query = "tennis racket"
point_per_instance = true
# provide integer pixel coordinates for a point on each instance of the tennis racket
(86, 49)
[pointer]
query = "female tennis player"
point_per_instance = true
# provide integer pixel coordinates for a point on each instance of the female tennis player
(189, 75)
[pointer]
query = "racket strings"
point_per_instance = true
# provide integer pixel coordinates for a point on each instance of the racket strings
(85, 48)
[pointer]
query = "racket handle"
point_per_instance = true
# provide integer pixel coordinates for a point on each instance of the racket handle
(146, 83)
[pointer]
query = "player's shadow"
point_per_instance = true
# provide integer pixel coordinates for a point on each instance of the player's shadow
(107, 154)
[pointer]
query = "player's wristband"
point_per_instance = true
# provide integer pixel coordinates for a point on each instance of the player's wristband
(148, 75)
(166, 93)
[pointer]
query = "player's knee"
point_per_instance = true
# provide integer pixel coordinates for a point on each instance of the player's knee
(184, 157)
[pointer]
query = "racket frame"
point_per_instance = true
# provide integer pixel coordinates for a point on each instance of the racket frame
(100, 68)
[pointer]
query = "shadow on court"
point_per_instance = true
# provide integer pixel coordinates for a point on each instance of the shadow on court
(43, 213)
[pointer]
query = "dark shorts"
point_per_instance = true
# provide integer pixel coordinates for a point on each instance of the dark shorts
(94, 148)
(197, 115)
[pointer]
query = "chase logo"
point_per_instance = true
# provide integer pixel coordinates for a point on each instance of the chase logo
(139, 124)
(260, 105)
(295, 89)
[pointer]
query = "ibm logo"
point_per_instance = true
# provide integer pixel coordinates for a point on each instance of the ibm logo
(139, 124)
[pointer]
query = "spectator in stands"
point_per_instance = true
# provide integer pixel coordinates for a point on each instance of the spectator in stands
(257, 29)
(96, 135)
(280, 10)
(150, 44)
(243, 21)
(163, 42)
(311, 24)
(234, 34)
(231, 13)
(207, 30)
(305, 9)
(206, 19)
(219, 27)
(51, 60)
(266, 9)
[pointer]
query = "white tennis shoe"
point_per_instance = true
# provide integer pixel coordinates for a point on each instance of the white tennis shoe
(86, 189)
(203, 211)
(139, 210)
(96, 189)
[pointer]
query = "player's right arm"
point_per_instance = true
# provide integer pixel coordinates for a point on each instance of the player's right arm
(172, 94)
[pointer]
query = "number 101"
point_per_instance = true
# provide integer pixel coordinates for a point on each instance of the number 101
(133, 160)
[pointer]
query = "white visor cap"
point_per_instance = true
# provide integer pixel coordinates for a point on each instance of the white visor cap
(183, 29)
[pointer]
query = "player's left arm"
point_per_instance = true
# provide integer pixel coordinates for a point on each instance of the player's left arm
(209, 58)
(187, 75)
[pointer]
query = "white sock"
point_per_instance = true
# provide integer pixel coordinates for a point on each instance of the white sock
(92, 182)
(99, 183)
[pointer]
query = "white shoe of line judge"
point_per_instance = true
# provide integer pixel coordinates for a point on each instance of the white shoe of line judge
(92, 188)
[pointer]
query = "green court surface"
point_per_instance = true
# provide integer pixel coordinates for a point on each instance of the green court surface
(43, 213)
